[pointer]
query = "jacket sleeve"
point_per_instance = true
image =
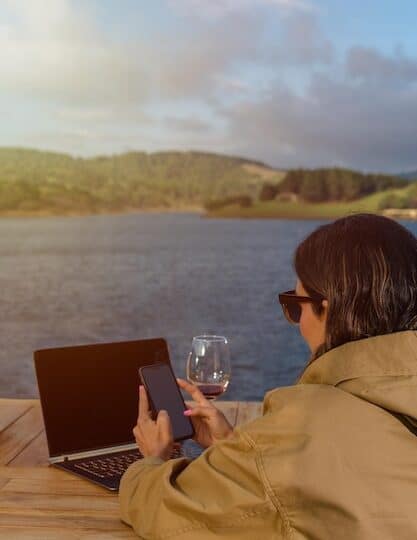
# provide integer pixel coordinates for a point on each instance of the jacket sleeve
(218, 492)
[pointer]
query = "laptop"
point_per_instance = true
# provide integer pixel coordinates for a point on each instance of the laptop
(89, 398)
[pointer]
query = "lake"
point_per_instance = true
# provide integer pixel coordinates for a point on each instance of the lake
(75, 280)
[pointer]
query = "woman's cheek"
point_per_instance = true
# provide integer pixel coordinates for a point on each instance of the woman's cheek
(305, 327)
(302, 326)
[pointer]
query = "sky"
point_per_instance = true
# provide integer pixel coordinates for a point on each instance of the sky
(291, 83)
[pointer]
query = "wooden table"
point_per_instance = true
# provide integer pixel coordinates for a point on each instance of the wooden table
(39, 502)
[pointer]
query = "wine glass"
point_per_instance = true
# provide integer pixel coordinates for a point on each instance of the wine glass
(208, 365)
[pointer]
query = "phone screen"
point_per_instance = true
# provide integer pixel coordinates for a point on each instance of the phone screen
(164, 393)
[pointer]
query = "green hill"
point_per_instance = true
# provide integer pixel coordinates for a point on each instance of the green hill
(36, 182)
(315, 197)
(336, 184)
(33, 182)
(410, 175)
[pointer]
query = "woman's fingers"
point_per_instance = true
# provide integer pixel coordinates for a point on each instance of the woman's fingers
(195, 393)
(202, 411)
(215, 423)
(164, 424)
(144, 413)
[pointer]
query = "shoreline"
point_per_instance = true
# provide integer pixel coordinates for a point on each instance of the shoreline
(248, 214)
(310, 218)
(46, 214)
(232, 213)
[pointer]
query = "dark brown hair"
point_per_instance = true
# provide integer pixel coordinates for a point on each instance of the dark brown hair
(366, 267)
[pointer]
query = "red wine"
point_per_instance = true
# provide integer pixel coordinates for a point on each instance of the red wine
(211, 391)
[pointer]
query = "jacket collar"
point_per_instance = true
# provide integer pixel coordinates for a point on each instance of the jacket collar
(386, 354)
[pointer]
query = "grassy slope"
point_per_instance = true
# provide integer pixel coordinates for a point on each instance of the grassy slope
(44, 183)
(302, 210)
(35, 182)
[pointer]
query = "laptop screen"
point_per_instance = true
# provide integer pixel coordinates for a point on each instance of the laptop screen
(89, 393)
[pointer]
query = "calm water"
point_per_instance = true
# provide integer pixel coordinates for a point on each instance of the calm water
(106, 278)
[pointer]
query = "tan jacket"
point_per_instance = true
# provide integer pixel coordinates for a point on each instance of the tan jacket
(324, 461)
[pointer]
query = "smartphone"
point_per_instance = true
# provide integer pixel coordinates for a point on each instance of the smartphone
(164, 393)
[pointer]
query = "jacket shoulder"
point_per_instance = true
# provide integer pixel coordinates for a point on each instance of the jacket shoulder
(308, 409)
(328, 456)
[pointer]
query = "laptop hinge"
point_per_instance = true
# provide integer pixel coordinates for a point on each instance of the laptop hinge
(90, 453)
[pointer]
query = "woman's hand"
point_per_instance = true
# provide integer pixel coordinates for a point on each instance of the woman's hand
(209, 423)
(153, 438)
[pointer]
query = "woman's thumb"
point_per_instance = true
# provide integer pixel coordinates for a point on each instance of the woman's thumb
(163, 420)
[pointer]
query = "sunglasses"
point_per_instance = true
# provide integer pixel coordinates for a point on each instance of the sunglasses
(290, 303)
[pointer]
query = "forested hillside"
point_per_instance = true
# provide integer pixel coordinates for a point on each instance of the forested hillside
(321, 193)
(36, 182)
(410, 175)
(32, 181)
(331, 184)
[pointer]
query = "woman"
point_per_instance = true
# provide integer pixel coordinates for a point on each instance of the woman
(333, 456)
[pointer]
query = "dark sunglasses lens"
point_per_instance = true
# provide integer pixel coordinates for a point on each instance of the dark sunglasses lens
(292, 311)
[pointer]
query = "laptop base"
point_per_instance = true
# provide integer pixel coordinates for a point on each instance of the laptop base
(106, 470)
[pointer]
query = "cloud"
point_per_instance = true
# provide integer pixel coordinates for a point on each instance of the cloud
(95, 140)
(365, 63)
(335, 122)
(198, 65)
(302, 41)
(58, 60)
(187, 124)
(212, 87)
(57, 54)
(221, 8)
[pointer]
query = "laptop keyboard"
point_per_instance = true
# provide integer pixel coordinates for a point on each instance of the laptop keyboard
(115, 464)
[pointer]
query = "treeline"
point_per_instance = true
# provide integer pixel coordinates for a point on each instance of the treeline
(330, 185)
(322, 185)
(406, 199)
(32, 181)
(35, 181)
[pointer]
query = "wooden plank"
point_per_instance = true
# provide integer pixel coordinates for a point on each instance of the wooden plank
(16, 502)
(3, 481)
(11, 409)
(20, 433)
(35, 453)
(43, 474)
(43, 533)
(45, 480)
(61, 520)
(44, 503)
(34, 487)
(248, 411)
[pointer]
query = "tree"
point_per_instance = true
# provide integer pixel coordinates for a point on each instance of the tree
(268, 191)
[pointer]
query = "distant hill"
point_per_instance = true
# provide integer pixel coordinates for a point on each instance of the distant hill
(411, 175)
(336, 184)
(37, 182)
(322, 193)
